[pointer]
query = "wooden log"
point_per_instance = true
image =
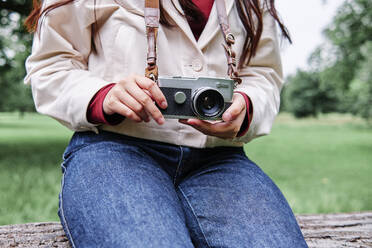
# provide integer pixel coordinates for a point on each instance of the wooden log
(320, 231)
(337, 230)
(33, 235)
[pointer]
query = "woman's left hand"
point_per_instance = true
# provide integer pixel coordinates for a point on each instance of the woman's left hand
(230, 126)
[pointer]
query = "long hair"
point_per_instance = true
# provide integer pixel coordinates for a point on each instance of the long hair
(249, 11)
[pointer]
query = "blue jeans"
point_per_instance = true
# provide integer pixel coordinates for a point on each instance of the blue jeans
(120, 191)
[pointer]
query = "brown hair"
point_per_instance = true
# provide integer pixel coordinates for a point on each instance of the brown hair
(248, 11)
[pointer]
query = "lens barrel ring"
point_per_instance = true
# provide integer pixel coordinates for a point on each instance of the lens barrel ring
(207, 103)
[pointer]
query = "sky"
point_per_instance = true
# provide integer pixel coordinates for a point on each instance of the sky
(305, 20)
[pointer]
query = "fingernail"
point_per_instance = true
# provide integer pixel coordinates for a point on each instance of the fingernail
(227, 116)
(161, 121)
(164, 104)
(191, 122)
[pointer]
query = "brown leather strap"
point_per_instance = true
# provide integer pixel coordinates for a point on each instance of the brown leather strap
(152, 4)
(232, 71)
(152, 17)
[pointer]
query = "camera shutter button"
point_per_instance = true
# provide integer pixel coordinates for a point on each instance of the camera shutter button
(180, 97)
(197, 65)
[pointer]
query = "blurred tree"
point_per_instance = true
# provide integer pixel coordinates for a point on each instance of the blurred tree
(22, 7)
(15, 45)
(305, 96)
(360, 94)
(349, 31)
(301, 94)
(339, 68)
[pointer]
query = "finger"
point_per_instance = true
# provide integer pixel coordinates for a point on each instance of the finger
(195, 123)
(118, 93)
(238, 105)
(123, 110)
(208, 128)
(137, 93)
(148, 93)
(224, 130)
(133, 104)
(149, 85)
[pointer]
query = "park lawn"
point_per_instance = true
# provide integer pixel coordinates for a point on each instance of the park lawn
(30, 154)
(321, 165)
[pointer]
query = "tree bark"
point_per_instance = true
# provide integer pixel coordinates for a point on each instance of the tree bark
(33, 235)
(337, 230)
(320, 231)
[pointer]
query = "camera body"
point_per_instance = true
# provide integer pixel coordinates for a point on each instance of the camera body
(204, 98)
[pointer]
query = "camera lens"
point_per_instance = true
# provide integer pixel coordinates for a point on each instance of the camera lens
(208, 103)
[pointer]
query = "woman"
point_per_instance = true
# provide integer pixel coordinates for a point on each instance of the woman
(132, 178)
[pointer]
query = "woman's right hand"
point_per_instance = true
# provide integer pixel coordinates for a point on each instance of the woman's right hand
(133, 97)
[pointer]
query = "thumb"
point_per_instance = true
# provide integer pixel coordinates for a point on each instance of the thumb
(235, 109)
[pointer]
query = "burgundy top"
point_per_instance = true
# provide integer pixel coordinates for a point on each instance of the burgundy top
(205, 7)
(95, 112)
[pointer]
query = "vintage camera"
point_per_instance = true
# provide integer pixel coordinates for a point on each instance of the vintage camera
(204, 98)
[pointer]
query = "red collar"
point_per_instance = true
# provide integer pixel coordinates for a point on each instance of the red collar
(205, 7)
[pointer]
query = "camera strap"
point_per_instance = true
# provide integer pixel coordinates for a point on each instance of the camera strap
(232, 70)
(152, 19)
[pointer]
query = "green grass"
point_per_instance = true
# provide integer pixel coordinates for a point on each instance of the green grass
(30, 154)
(321, 165)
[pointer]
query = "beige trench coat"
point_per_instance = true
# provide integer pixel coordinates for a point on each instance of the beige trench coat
(65, 74)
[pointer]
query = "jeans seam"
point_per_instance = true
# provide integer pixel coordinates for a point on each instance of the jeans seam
(75, 149)
(62, 212)
(193, 212)
(178, 166)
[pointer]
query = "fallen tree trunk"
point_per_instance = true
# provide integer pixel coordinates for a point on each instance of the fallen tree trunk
(337, 230)
(320, 231)
(33, 235)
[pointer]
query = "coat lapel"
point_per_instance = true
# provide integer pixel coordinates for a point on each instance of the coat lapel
(213, 26)
(136, 6)
(174, 9)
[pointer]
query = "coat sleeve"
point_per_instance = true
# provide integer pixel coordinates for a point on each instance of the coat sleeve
(57, 69)
(262, 81)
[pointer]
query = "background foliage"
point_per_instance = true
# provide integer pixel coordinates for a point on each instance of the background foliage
(15, 45)
(339, 78)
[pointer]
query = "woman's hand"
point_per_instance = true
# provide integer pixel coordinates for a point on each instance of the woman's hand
(133, 97)
(232, 120)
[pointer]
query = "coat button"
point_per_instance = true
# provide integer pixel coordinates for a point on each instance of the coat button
(197, 65)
